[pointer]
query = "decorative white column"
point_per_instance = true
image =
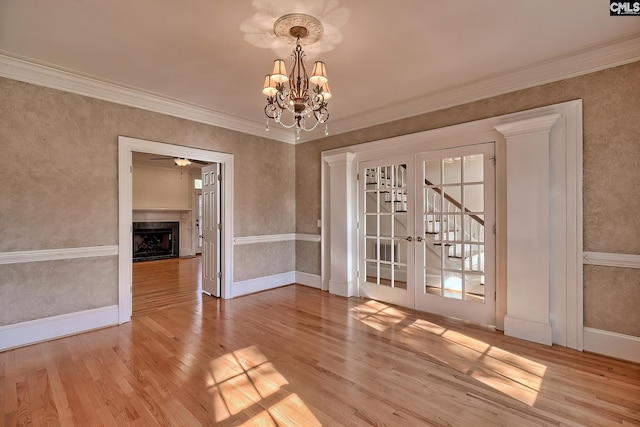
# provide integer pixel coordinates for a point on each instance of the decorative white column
(342, 191)
(528, 228)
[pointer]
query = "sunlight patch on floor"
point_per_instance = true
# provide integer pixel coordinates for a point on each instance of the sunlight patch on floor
(508, 373)
(377, 315)
(243, 378)
(290, 411)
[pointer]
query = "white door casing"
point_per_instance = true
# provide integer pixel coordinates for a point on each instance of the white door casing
(126, 146)
(211, 230)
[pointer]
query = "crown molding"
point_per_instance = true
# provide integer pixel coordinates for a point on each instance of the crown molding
(611, 54)
(43, 75)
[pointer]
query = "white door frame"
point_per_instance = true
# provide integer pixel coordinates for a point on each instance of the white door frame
(565, 141)
(126, 146)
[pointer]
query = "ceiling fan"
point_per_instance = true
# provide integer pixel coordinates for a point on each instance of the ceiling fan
(181, 161)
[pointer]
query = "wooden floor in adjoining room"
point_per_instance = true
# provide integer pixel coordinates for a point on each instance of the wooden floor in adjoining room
(160, 284)
(299, 356)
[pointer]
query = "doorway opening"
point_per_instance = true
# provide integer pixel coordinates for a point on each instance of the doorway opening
(164, 218)
(224, 252)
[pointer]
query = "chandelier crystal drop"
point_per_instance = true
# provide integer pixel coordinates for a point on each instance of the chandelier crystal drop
(297, 95)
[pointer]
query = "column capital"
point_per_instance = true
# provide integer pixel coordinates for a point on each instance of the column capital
(339, 158)
(527, 126)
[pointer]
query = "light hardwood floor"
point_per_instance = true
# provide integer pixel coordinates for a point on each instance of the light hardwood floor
(161, 284)
(298, 356)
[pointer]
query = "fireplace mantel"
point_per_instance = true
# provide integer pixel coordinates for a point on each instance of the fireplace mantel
(183, 216)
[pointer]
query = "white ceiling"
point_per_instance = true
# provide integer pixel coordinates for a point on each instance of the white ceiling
(385, 59)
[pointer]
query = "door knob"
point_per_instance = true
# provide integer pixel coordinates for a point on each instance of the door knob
(419, 239)
(409, 239)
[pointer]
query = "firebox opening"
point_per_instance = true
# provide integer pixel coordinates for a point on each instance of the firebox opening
(155, 240)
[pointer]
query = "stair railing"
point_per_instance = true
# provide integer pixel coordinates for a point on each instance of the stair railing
(393, 178)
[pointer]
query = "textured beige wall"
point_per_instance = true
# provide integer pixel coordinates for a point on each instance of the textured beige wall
(58, 166)
(161, 188)
(611, 107)
(263, 259)
(41, 289)
(308, 257)
(614, 296)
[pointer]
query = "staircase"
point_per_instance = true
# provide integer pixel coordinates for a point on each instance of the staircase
(443, 227)
(443, 215)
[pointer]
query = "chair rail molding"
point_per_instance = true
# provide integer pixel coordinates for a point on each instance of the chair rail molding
(612, 259)
(268, 238)
(57, 254)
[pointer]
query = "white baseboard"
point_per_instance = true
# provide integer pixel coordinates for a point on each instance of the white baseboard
(262, 283)
(612, 344)
(33, 331)
(307, 279)
(528, 330)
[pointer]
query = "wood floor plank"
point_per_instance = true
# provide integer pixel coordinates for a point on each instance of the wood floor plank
(295, 356)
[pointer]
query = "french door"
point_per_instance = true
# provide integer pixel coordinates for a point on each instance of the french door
(426, 232)
(386, 225)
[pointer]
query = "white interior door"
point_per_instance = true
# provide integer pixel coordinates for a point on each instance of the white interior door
(426, 236)
(455, 247)
(210, 224)
(386, 229)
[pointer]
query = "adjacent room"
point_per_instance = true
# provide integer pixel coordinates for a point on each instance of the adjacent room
(319, 212)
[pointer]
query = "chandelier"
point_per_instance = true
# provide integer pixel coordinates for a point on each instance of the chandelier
(297, 95)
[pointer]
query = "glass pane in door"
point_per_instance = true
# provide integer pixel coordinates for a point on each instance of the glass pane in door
(453, 212)
(385, 225)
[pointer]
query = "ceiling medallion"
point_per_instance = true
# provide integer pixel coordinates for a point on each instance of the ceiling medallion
(293, 93)
(284, 26)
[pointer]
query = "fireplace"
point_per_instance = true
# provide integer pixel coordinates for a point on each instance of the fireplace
(155, 240)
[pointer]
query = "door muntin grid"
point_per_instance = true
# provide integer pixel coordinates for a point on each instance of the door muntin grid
(453, 215)
(385, 225)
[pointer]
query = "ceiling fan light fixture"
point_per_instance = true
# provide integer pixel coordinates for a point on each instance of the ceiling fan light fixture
(181, 161)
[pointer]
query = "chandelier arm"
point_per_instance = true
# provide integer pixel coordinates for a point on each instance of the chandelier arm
(281, 101)
(320, 117)
(271, 107)
(279, 121)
